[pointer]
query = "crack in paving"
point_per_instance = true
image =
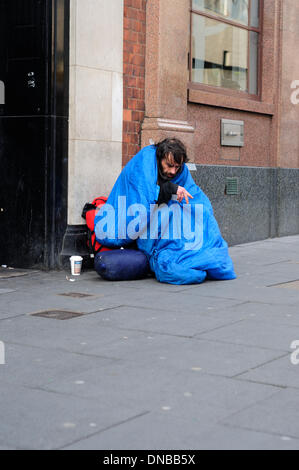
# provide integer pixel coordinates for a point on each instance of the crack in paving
(262, 364)
(240, 344)
(223, 421)
(132, 418)
(283, 387)
(245, 428)
(140, 330)
(78, 353)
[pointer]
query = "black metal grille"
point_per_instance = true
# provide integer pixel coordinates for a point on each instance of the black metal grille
(232, 186)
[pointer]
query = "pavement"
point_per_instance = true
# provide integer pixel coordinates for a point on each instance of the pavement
(144, 365)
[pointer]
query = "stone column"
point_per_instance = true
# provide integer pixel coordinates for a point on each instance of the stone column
(166, 75)
(95, 110)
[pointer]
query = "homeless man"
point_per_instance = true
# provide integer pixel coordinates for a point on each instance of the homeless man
(156, 202)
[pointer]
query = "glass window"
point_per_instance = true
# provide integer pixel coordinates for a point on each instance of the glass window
(236, 10)
(224, 47)
(254, 14)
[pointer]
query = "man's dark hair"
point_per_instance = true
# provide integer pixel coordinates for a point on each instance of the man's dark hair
(174, 146)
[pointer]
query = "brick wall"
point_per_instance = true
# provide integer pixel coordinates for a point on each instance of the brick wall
(134, 76)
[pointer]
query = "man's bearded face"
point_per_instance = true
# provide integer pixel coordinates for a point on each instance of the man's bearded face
(169, 166)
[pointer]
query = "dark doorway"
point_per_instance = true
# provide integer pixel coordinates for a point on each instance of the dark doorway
(34, 48)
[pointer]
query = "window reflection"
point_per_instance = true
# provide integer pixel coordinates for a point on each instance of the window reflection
(235, 10)
(219, 54)
(226, 53)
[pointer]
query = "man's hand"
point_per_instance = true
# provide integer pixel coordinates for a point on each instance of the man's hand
(183, 193)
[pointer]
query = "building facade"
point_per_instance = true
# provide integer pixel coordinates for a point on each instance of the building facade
(110, 77)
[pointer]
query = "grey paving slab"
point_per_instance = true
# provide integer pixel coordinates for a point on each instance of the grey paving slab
(226, 438)
(280, 372)
(88, 335)
(254, 266)
(82, 335)
(278, 415)
(186, 353)
(34, 367)
(192, 301)
(101, 296)
(249, 292)
(186, 393)
(21, 303)
(263, 334)
(145, 284)
(261, 311)
(158, 431)
(8, 272)
(43, 420)
(277, 274)
(178, 323)
(154, 431)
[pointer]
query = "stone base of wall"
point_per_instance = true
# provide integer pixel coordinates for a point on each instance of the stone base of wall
(267, 203)
(266, 206)
(74, 243)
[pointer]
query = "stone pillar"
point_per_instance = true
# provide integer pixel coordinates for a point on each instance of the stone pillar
(95, 110)
(166, 75)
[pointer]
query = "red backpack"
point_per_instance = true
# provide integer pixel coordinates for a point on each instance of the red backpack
(89, 212)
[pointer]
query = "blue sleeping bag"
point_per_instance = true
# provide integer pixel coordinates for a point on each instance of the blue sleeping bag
(182, 241)
(121, 265)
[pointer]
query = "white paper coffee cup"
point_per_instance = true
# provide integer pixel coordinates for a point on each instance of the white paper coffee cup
(76, 265)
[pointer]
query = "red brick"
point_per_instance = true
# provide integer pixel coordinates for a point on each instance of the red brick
(133, 149)
(132, 81)
(132, 104)
(136, 26)
(129, 47)
(134, 73)
(130, 127)
(125, 148)
(137, 116)
(137, 71)
(131, 138)
(128, 69)
(140, 82)
(141, 16)
(134, 93)
(138, 49)
(136, 105)
(138, 60)
(126, 57)
(127, 23)
(141, 38)
(127, 115)
(131, 13)
(131, 36)
(136, 4)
